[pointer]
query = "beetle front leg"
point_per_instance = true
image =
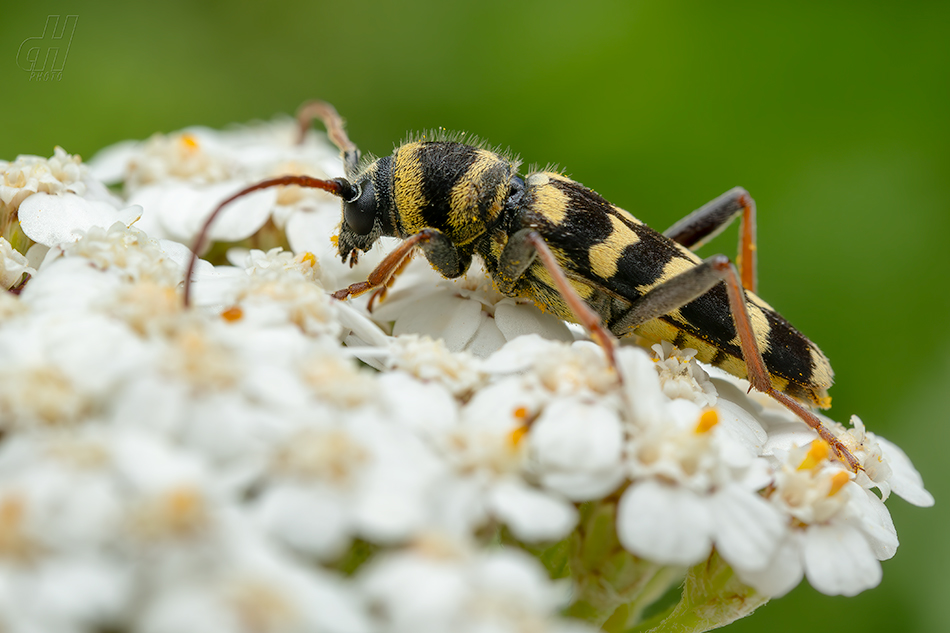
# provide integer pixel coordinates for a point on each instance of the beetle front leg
(709, 220)
(439, 250)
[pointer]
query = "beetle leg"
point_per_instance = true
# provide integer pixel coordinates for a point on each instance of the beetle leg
(520, 252)
(686, 287)
(384, 271)
(515, 259)
(709, 220)
(439, 250)
(380, 294)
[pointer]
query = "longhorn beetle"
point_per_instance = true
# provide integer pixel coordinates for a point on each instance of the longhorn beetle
(549, 239)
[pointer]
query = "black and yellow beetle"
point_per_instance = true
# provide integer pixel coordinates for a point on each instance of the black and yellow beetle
(553, 241)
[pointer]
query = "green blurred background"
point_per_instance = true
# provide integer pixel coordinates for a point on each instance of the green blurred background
(833, 115)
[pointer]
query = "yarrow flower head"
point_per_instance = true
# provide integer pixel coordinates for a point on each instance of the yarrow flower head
(438, 457)
(57, 175)
(44, 202)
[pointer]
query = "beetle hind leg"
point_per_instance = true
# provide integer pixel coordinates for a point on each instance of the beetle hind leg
(686, 287)
(712, 218)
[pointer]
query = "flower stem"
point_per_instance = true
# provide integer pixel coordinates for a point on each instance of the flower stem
(712, 598)
(613, 586)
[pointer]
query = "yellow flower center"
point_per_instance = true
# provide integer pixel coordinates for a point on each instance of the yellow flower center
(818, 453)
(707, 421)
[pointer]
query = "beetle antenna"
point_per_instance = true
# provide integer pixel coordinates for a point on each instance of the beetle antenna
(337, 186)
(333, 122)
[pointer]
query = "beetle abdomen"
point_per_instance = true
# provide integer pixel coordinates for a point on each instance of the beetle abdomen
(612, 259)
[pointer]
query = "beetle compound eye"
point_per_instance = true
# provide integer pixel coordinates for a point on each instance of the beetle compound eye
(360, 213)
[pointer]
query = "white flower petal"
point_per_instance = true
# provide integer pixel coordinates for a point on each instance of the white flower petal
(748, 528)
(782, 573)
(148, 464)
(487, 340)
(875, 521)
(839, 561)
(182, 209)
(391, 504)
(240, 219)
(360, 325)
(389, 513)
(517, 354)
(443, 316)
(665, 524)
(741, 426)
(68, 284)
(176, 252)
(459, 505)
(36, 254)
(578, 448)
(516, 576)
(109, 165)
(415, 594)
(182, 607)
(308, 519)
(642, 384)
(52, 220)
(575, 434)
(425, 408)
(518, 319)
(584, 486)
(531, 514)
(786, 435)
(310, 230)
(89, 591)
(905, 481)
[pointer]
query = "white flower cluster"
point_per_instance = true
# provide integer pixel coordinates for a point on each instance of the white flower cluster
(27, 175)
(273, 460)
